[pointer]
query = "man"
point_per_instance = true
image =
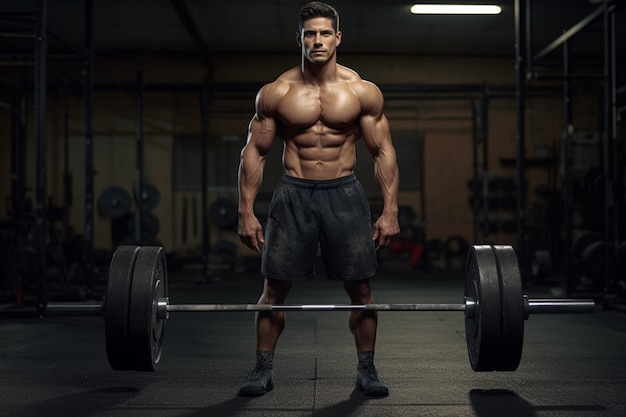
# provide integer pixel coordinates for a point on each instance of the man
(319, 110)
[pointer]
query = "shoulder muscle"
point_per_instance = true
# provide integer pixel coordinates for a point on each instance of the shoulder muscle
(370, 96)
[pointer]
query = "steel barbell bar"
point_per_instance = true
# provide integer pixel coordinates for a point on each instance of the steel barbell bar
(534, 306)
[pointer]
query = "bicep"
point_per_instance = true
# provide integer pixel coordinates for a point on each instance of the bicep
(373, 124)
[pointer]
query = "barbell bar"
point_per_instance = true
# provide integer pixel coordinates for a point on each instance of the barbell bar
(534, 306)
(136, 307)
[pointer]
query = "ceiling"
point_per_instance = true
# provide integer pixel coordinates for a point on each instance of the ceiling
(269, 26)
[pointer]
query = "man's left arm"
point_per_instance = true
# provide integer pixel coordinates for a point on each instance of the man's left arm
(377, 137)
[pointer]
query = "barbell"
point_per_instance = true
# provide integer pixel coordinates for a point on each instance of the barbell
(136, 307)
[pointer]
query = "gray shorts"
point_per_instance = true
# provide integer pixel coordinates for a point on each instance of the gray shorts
(332, 215)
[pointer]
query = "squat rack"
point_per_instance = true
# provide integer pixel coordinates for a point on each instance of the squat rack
(524, 70)
(38, 33)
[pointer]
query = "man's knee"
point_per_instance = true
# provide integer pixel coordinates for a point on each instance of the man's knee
(276, 291)
(359, 291)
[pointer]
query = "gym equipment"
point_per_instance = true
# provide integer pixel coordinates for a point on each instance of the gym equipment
(149, 198)
(136, 307)
(223, 213)
(540, 264)
(114, 202)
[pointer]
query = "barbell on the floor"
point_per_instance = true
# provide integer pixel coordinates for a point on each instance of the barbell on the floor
(136, 307)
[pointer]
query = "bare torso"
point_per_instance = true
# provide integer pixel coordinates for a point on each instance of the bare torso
(319, 124)
(319, 110)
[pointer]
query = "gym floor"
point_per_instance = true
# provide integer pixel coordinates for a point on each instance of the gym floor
(572, 365)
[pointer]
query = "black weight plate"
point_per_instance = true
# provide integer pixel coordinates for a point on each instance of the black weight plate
(512, 304)
(594, 262)
(149, 199)
(223, 212)
(540, 264)
(483, 327)
(116, 307)
(114, 202)
(146, 330)
(583, 240)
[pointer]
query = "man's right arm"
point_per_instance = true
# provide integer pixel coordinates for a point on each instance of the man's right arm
(261, 134)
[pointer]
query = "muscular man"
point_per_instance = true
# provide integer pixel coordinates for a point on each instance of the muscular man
(319, 110)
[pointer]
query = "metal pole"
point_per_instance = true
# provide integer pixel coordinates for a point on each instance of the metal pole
(529, 33)
(475, 190)
(67, 176)
(520, 66)
(41, 152)
(573, 31)
(535, 306)
(609, 142)
(568, 196)
(139, 157)
(484, 133)
(89, 167)
(313, 307)
(204, 120)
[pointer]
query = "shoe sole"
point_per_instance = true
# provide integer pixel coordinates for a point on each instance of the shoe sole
(252, 393)
(373, 393)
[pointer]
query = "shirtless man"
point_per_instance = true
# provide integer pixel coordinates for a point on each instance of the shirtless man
(319, 109)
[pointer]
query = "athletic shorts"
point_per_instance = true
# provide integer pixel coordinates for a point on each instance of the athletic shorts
(332, 215)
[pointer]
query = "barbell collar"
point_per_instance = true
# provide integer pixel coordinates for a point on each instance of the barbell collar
(560, 305)
(74, 309)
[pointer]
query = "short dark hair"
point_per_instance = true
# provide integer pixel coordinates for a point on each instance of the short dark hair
(318, 9)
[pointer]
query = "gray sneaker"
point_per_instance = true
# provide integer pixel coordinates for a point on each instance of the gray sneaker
(259, 382)
(368, 381)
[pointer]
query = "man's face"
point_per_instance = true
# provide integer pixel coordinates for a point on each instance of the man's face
(319, 40)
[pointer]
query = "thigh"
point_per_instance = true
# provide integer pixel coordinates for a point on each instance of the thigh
(291, 237)
(346, 235)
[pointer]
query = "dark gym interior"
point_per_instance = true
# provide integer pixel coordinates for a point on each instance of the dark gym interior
(122, 125)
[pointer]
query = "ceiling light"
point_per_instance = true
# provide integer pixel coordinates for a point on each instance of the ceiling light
(455, 9)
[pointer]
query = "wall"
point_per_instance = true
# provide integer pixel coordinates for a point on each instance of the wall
(445, 124)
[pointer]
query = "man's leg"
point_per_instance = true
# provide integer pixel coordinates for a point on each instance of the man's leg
(363, 326)
(362, 323)
(269, 326)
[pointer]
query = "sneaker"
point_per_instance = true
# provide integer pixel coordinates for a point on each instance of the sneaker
(258, 383)
(368, 381)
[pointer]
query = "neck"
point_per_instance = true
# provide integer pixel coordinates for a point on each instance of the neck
(317, 74)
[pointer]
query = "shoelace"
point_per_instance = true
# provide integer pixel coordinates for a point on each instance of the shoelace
(369, 373)
(257, 373)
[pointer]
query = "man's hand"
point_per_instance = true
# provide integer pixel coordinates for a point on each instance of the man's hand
(251, 232)
(386, 230)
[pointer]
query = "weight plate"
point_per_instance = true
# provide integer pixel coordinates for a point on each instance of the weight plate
(541, 264)
(116, 307)
(483, 322)
(583, 240)
(223, 213)
(594, 262)
(114, 202)
(512, 304)
(147, 330)
(149, 199)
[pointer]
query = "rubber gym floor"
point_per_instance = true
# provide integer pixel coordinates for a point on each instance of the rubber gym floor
(572, 365)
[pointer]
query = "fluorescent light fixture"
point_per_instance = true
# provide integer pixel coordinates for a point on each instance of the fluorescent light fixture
(455, 9)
